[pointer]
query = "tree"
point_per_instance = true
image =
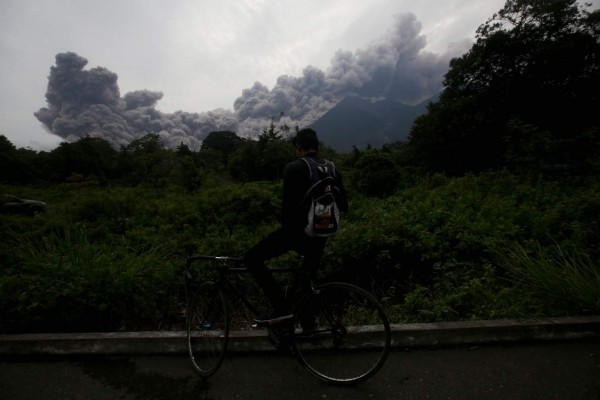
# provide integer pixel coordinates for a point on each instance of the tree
(264, 159)
(186, 171)
(93, 156)
(244, 163)
(145, 160)
(225, 142)
(147, 144)
(274, 132)
(275, 150)
(536, 62)
(376, 174)
(10, 166)
(183, 150)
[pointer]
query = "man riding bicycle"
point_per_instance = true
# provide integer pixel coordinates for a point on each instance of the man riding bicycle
(297, 180)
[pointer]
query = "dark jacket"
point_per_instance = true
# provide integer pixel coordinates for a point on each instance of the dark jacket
(296, 182)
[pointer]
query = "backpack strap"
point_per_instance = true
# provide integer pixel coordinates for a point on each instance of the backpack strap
(311, 163)
(309, 168)
(315, 181)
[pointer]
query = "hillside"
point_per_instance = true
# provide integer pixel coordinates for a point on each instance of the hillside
(358, 122)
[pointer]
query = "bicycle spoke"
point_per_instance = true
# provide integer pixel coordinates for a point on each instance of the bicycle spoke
(207, 328)
(341, 348)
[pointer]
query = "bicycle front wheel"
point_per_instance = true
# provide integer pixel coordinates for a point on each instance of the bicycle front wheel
(207, 328)
(342, 334)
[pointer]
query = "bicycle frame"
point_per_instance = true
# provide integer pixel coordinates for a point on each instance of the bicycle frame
(228, 267)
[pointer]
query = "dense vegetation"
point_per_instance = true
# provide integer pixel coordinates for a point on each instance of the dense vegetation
(490, 210)
(488, 246)
(524, 96)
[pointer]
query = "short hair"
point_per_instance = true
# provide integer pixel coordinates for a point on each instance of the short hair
(307, 139)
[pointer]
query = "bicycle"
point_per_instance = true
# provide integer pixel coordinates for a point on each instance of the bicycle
(339, 333)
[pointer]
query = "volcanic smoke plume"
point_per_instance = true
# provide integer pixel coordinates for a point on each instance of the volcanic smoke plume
(88, 102)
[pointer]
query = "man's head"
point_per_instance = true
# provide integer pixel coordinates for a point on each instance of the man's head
(306, 140)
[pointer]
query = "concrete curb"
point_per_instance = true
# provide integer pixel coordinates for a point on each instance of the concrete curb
(403, 336)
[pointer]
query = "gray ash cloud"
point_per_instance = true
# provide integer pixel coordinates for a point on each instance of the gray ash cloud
(84, 102)
(87, 102)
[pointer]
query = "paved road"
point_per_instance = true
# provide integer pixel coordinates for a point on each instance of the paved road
(565, 370)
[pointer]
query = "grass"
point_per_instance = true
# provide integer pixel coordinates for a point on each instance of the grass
(561, 282)
(65, 281)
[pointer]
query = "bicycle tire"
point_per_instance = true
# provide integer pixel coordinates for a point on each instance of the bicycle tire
(207, 328)
(351, 338)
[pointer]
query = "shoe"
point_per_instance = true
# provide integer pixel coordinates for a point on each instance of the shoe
(274, 316)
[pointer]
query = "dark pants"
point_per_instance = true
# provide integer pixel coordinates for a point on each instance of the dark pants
(277, 243)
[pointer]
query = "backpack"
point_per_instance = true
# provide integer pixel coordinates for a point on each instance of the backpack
(320, 199)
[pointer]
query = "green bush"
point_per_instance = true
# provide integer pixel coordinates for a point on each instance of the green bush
(442, 241)
(112, 258)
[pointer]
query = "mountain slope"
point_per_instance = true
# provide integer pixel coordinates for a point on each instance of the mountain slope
(358, 122)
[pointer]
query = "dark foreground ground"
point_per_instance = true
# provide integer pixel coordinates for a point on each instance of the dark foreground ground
(555, 370)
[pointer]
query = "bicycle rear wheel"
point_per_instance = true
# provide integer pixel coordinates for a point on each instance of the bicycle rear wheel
(207, 328)
(342, 334)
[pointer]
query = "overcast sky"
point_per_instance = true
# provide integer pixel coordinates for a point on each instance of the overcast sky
(201, 54)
